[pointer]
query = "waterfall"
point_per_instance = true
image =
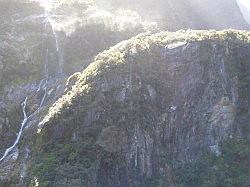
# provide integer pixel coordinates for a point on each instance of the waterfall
(59, 51)
(49, 19)
(45, 94)
(56, 40)
(42, 85)
(46, 64)
(25, 119)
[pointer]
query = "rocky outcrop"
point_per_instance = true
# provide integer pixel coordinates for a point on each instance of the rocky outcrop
(143, 107)
(119, 123)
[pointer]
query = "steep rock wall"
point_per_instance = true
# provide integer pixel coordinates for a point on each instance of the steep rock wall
(145, 105)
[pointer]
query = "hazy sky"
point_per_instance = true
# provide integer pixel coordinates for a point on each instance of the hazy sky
(47, 3)
(243, 4)
(245, 9)
(246, 3)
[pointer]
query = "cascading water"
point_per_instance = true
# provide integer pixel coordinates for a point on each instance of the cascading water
(49, 19)
(25, 119)
(42, 85)
(59, 51)
(45, 80)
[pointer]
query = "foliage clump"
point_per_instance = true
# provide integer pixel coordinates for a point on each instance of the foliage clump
(230, 169)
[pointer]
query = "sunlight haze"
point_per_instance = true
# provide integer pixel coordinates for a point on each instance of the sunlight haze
(124, 93)
(245, 9)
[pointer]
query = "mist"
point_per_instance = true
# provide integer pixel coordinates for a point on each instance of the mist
(167, 14)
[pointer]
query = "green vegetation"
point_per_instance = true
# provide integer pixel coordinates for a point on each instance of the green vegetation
(20, 43)
(229, 169)
(45, 170)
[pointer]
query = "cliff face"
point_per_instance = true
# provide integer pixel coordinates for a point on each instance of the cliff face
(141, 113)
(146, 108)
